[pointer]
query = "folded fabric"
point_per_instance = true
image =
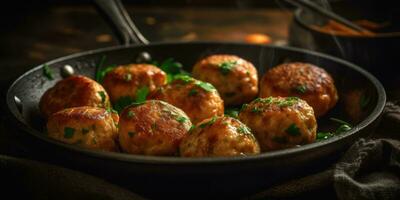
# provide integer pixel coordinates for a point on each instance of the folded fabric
(370, 169)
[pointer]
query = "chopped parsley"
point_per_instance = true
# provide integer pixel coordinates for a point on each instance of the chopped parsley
(324, 135)
(193, 92)
(185, 78)
(243, 129)
(192, 127)
(181, 119)
(206, 86)
(301, 89)
(110, 110)
(227, 67)
(100, 72)
(85, 131)
(244, 106)
(103, 96)
(172, 68)
(141, 94)
(256, 110)
(47, 72)
(344, 126)
(122, 102)
(293, 130)
(69, 132)
(208, 123)
(288, 101)
(131, 114)
(232, 112)
(248, 73)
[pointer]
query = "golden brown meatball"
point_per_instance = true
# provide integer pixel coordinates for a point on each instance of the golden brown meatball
(198, 99)
(74, 91)
(235, 78)
(126, 80)
(152, 128)
(279, 122)
(89, 127)
(219, 136)
(303, 80)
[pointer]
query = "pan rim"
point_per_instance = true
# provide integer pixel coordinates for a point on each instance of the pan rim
(158, 160)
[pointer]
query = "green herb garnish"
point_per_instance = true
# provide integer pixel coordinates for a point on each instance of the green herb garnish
(288, 101)
(293, 130)
(68, 132)
(172, 68)
(192, 128)
(324, 135)
(226, 67)
(301, 89)
(47, 72)
(181, 119)
(141, 94)
(244, 106)
(343, 128)
(232, 112)
(208, 123)
(256, 110)
(206, 86)
(244, 130)
(193, 92)
(122, 102)
(131, 114)
(103, 96)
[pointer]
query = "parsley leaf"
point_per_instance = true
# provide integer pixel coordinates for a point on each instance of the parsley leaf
(69, 132)
(103, 96)
(293, 130)
(47, 72)
(141, 94)
(232, 112)
(226, 67)
(208, 123)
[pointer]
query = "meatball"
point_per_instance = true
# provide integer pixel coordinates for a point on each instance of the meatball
(74, 91)
(126, 80)
(279, 122)
(219, 136)
(152, 128)
(235, 78)
(303, 80)
(198, 99)
(89, 127)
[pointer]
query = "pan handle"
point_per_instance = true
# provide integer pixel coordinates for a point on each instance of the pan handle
(121, 23)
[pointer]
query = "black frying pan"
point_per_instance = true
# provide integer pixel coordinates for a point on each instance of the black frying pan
(159, 176)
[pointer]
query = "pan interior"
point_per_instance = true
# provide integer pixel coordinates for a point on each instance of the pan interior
(349, 79)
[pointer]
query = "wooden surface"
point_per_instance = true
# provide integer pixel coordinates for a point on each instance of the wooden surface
(61, 30)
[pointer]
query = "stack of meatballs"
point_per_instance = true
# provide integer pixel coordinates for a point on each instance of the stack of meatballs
(185, 117)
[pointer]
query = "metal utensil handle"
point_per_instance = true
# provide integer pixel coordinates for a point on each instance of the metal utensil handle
(123, 26)
(326, 13)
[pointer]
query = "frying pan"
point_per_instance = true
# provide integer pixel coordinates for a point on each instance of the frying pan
(154, 176)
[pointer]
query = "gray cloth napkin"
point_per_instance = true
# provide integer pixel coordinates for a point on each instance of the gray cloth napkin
(369, 170)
